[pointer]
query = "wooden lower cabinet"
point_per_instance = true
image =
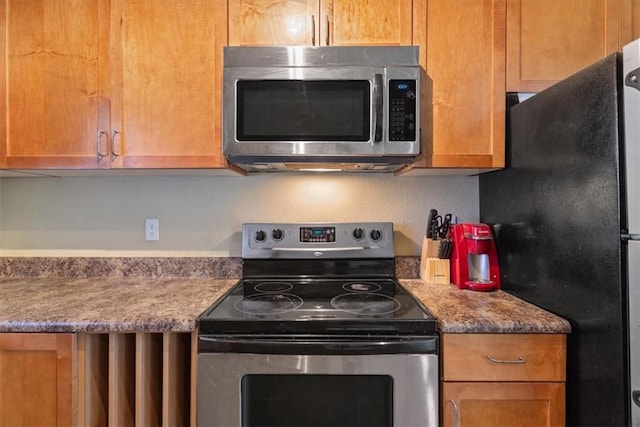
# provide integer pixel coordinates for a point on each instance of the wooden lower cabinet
(503, 404)
(142, 379)
(102, 379)
(37, 373)
(503, 380)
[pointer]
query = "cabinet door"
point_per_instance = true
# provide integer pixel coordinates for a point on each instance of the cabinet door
(273, 22)
(543, 48)
(629, 24)
(463, 106)
(362, 22)
(52, 54)
(503, 404)
(166, 82)
(37, 372)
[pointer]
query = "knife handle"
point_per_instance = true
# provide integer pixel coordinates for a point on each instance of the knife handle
(431, 219)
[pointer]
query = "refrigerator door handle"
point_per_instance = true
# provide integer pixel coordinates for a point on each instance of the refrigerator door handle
(630, 236)
(632, 79)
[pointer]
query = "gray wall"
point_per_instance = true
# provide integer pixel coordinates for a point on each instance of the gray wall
(202, 215)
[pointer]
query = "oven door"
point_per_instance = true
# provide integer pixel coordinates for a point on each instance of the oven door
(330, 381)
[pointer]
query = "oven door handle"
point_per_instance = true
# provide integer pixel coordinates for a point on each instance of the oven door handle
(314, 345)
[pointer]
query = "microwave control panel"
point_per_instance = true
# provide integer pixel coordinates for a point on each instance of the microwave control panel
(402, 110)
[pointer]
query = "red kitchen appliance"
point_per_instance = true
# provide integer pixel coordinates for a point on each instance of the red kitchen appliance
(474, 262)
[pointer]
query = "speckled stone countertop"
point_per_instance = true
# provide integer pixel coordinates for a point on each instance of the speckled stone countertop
(120, 294)
(106, 305)
(465, 311)
(168, 294)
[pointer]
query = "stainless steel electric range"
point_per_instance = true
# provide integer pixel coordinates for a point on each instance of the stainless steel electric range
(318, 332)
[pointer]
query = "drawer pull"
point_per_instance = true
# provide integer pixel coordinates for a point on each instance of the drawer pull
(519, 361)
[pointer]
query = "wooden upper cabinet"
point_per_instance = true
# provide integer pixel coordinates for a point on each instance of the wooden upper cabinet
(268, 22)
(165, 83)
(543, 48)
(50, 77)
(629, 21)
(361, 22)
(320, 22)
(463, 99)
(111, 84)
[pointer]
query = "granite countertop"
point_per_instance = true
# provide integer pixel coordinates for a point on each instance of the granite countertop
(465, 311)
(168, 294)
(158, 305)
(106, 305)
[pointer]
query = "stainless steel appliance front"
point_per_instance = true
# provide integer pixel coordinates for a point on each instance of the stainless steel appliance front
(414, 381)
(321, 105)
(631, 71)
(318, 332)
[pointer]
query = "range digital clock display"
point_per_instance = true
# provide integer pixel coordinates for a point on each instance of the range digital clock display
(317, 234)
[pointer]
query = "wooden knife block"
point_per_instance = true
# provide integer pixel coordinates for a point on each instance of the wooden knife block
(432, 268)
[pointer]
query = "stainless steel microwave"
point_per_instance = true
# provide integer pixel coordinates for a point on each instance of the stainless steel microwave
(337, 108)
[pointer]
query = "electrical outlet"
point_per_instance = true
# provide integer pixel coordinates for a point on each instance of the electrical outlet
(152, 229)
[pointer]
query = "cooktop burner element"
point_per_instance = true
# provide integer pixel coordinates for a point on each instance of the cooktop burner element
(361, 287)
(273, 287)
(365, 303)
(318, 279)
(268, 304)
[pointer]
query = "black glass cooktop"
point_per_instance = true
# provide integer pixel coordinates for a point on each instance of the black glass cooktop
(318, 306)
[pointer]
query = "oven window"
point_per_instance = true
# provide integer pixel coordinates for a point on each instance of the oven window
(317, 400)
(301, 110)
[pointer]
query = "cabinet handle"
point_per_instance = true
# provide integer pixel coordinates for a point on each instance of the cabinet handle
(114, 152)
(313, 30)
(456, 413)
(519, 361)
(100, 153)
(327, 40)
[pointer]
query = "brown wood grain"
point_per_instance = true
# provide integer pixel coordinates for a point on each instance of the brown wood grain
(503, 404)
(38, 379)
(543, 48)
(465, 357)
(51, 66)
(463, 92)
(165, 97)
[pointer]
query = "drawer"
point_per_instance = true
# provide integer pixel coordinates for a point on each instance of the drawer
(504, 357)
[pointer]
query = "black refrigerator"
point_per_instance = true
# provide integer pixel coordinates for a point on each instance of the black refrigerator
(566, 216)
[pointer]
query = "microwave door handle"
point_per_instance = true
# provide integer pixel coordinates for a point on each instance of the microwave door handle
(378, 105)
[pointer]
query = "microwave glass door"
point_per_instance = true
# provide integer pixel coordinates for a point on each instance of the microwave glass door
(303, 110)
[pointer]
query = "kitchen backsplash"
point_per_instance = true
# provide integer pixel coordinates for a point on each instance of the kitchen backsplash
(150, 267)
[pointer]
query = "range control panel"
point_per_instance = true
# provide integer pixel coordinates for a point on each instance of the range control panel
(315, 240)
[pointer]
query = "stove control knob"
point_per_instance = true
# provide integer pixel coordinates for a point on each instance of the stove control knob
(277, 234)
(260, 236)
(358, 233)
(375, 235)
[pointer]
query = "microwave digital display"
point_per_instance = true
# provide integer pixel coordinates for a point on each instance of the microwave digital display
(303, 110)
